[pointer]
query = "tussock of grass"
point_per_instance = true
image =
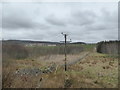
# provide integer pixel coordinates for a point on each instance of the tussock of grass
(107, 77)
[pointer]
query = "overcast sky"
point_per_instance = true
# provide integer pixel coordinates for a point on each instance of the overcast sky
(82, 21)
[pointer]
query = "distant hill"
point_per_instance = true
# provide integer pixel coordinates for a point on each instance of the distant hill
(78, 43)
(28, 42)
(37, 42)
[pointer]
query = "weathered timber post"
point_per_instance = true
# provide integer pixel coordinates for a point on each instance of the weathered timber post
(65, 51)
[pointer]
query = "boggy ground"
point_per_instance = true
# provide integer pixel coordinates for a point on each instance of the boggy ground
(94, 71)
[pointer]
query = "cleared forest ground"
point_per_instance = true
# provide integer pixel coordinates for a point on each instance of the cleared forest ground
(93, 71)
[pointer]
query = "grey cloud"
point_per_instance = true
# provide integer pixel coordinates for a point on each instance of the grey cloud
(19, 18)
(100, 26)
(106, 21)
(16, 23)
(55, 21)
(82, 17)
(81, 24)
(111, 16)
(21, 22)
(41, 26)
(111, 37)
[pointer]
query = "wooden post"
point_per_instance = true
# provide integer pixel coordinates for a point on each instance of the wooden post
(65, 54)
(65, 50)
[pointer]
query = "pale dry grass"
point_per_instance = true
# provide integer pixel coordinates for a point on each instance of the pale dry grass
(100, 69)
(94, 71)
(59, 59)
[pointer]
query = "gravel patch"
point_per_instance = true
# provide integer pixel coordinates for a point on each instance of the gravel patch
(35, 71)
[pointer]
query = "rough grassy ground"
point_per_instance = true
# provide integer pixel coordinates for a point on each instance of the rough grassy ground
(94, 71)
(59, 59)
(10, 67)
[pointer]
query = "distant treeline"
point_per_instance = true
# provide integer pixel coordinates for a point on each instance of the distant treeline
(18, 51)
(13, 51)
(108, 47)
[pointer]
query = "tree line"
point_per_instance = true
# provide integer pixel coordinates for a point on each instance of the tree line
(108, 47)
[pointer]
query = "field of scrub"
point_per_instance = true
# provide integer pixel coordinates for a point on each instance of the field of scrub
(43, 67)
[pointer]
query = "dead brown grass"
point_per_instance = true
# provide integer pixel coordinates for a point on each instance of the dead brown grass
(88, 73)
(100, 69)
